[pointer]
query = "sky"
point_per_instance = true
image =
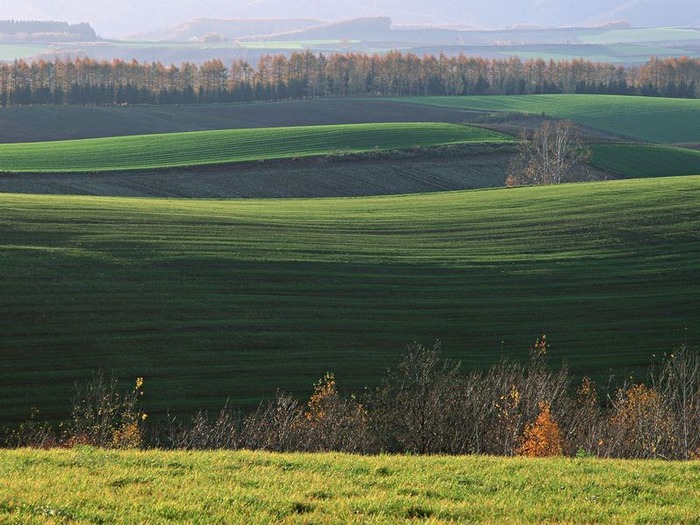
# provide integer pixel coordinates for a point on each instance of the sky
(113, 19)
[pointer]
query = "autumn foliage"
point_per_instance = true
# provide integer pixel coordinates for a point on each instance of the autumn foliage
(84, 81)
(425, 406)
(543, 437)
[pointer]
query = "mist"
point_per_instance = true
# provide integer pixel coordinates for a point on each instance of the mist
(131, 17)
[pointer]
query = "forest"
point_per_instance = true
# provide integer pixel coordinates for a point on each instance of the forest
(36, 30)
(84, 81)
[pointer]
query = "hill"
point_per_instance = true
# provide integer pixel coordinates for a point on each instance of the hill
(55, 123)
(253, 487)
(635, 160)
(215, 300)
(130, 16)
(228, 29)
(643, 118)
(440, 169)
(36, 31)
(206, 148)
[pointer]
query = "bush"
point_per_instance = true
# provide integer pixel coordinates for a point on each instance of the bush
(103, 416)
(424, 406)
(543, 437)
(32, 433)
(205, 433)
(640, 425)
(332, 423)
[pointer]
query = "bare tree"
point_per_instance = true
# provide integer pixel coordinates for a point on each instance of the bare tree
(678, 381)
(410, 408)
(552, 154)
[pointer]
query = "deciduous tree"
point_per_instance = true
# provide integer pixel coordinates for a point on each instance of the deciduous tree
(552, 154)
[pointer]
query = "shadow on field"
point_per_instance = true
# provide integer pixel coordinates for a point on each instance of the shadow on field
(314, 177)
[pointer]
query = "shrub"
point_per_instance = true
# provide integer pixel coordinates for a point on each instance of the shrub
(678, 382)
(333, 423)
(412, 408)
(103, 416)
(543, 437)
(205, 433)
(640, 425)
(32, 433)
(586, 424)
(274, 425)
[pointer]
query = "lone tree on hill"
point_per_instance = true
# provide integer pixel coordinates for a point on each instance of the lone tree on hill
(552, 154)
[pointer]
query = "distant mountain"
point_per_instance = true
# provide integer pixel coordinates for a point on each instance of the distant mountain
(229, 29)
(33, 31)
(136, 16)
(367, 29)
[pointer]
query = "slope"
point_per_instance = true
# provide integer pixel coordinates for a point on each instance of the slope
(216, 300)
(643, 118)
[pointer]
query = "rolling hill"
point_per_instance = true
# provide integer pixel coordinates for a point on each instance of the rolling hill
(643, 118)
(207, 148)
(215, 300)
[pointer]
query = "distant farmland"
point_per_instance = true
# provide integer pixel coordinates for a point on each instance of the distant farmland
(212, 300)
(650, 119)
(637, 160)
(52, 123)
(231, 146)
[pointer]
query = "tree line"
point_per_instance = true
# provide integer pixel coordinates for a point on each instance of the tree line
(40, 30)
(426, 405)
(83, 81)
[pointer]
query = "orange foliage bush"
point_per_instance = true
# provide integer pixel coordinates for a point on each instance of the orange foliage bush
(641, 423)
(542, 438)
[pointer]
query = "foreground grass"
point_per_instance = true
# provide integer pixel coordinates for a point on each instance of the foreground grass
(92, 486)
(217, 300)
(229, 146)
(645, 118)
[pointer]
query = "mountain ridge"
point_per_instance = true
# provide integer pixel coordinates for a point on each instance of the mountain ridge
(131, 17)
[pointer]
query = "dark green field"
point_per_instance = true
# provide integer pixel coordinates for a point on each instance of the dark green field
(389, 174)
(47, 123)
(638, 161)
(649, 119)
(216, 299)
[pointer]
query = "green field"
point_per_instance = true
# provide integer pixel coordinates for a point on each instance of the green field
(255, 488)
(650, 119)
(640, 35)
(230, 146)
(212, 300)
(636, 161)
(10, 52)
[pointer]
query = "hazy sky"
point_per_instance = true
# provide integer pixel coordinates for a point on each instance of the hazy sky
(112, 18)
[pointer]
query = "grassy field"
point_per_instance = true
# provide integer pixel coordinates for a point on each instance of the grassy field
(253, 487)
(643, 118)
(639, 35)
(635, 160)
(230, 146)
(210, 300)
(10, 52)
